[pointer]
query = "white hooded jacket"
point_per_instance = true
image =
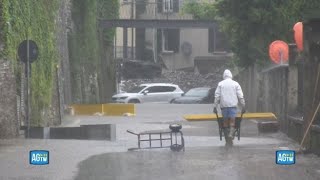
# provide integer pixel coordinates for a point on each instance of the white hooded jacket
(228, 92)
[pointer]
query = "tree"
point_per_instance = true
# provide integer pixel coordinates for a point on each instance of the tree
(251, 25)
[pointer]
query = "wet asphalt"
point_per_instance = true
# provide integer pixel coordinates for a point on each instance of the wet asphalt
(237, 163)
(205, 156)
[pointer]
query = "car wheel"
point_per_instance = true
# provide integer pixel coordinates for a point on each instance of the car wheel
(172, 101)
(134, 101)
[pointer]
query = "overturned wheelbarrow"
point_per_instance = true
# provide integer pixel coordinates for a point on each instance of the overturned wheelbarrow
(174, 132)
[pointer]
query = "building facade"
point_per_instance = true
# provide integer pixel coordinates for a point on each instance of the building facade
(175, 48)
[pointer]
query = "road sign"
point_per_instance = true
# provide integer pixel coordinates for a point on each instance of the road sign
(23, 51)
(279, 51)
(298, 35)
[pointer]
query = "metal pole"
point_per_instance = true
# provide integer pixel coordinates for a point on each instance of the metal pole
(125, 43)
(214, 39)
(28, 83)
(132, 39)
(59, 93)
(155, 38)
(28, 88)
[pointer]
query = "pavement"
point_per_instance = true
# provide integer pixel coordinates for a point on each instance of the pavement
(205, 156)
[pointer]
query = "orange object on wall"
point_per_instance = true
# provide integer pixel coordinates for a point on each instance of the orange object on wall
(279, 50)
(298, 35)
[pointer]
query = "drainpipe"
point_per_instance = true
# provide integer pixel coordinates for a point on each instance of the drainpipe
(132, 39)
(155, 38)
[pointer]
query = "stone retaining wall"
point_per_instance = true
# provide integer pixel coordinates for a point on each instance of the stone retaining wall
(8, 101)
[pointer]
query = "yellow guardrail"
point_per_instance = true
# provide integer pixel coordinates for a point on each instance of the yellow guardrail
(86, 109)
(111, 109)
(213, 117)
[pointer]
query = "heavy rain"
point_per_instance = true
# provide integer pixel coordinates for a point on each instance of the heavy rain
(159, 89)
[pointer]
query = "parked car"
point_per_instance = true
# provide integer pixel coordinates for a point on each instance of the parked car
(202, 95)
(153, 92)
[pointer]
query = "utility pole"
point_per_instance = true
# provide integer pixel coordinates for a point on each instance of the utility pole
(28, 77)
(155, 37)
(132, 34)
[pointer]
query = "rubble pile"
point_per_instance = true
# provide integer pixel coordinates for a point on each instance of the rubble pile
(186, 80)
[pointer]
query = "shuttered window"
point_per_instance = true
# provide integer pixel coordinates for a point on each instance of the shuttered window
(168, 6)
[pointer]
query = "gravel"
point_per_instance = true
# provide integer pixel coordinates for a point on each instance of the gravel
(186, 80)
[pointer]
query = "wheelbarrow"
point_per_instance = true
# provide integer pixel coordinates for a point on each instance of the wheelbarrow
(173, 134)
(237, 126)
(239, 117)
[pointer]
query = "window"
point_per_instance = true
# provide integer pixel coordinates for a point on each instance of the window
(171, 40)
(160, 89)
(168, 89)
(211, 39)
(217, 42)
(168, 6)
(154, 89)
(136, 89)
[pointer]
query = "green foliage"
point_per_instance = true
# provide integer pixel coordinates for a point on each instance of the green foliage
(108, 9)
(33, 19)
(251, 25)
(84, 42)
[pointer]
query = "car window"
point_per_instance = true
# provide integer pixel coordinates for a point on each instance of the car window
(155, 89)
(136, 89)
(168, 89)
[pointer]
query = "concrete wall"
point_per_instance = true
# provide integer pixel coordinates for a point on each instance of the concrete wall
(90, 132)
(198, 38)
(276, 90)
(266, 91)
(8, 101)
(249, 81)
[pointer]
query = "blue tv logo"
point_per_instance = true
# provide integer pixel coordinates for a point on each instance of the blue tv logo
(285, 157)
(39, 157)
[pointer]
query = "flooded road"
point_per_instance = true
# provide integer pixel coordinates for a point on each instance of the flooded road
(237, 163)
(205, 156)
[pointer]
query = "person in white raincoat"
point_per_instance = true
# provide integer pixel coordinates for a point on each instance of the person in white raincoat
(228, 94)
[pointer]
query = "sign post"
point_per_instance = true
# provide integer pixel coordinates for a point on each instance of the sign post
(28, 53)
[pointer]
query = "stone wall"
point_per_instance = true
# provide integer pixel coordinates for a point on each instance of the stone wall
(61, 89)
(266, 90)
(249, 81)
(61, 95)
(8, 101)
(289, 92)
(64, 26)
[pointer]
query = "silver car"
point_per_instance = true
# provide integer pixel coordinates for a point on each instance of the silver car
(147, 93)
